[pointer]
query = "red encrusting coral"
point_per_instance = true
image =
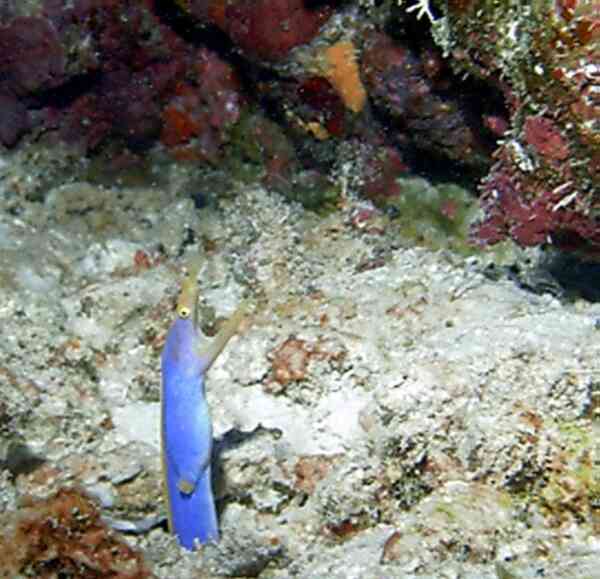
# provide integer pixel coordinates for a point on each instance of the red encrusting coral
(139, 63)
(290, 361)
(63, 535)
(266, 29)
(524, 208)
(204, 110)
(382, 170)
(90, 70)
(543, 188)
(31, 56)
(179, 124)
(495, 124)
(544, 136)
(32, 60)
(145, 82)
(322, 104)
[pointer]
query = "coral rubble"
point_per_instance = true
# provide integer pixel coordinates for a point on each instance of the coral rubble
(63, 535)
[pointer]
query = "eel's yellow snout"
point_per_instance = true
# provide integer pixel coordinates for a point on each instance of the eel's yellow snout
(188, 297)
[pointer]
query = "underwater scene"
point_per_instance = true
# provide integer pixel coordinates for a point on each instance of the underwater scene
(300, 289)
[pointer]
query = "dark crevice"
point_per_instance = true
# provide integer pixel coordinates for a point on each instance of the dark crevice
(65, 94)
(193, 32)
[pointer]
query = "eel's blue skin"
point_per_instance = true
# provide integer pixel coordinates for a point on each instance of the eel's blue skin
(187, 437)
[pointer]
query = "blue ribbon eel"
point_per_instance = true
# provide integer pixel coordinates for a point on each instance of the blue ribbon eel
(186, 428)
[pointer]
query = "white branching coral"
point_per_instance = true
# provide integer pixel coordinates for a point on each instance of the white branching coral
(422, 8)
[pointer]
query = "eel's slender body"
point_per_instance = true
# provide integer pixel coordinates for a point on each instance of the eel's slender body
(186, 425)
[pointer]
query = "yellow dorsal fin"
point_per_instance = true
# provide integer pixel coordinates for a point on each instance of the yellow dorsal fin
(209, 353)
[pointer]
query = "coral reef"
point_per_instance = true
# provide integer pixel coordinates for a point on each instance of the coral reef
(32, 60)
(412, 88)
(544, 57)
(136, 64)
(113, 76)
(380, 174)
(90, 71)
(265, 29)
(118, 76)
(321, 107)
(203, 111)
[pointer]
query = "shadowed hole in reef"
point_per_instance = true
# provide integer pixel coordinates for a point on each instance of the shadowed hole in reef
(192, 32)
(67, 93)
(20, 459)
(566, 276)
(577, 277)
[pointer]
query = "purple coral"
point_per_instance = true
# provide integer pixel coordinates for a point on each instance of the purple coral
(408, 86)
(14, 120)
(32, 58)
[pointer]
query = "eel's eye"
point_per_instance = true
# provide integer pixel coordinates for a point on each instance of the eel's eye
(183, 312)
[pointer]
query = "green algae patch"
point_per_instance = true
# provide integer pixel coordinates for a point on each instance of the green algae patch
(259, 147)
(572, 490)
(312, 190)
(436, 216)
